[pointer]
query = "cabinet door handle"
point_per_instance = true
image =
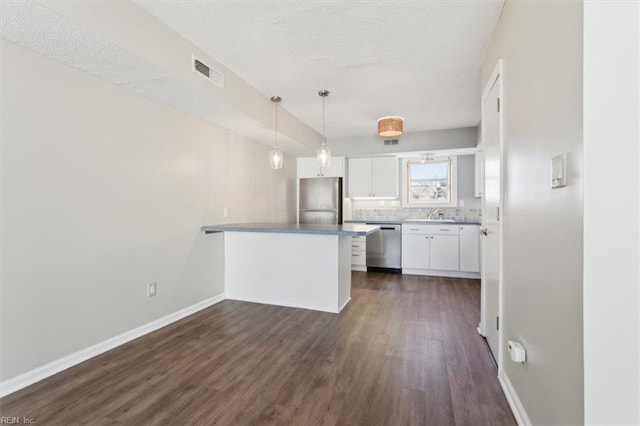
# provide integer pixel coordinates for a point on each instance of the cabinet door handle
(483, 231)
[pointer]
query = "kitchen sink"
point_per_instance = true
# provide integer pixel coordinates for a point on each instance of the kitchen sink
(431, 220)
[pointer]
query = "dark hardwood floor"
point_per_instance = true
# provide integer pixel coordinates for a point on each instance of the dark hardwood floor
(405, 351)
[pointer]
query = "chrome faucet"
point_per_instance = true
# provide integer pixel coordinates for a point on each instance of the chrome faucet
(433, 212)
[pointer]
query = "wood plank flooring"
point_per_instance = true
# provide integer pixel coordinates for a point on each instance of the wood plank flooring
(405, 351)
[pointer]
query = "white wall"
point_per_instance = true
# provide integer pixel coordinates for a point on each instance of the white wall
(541, 44)
(104, 191)
(611, 216)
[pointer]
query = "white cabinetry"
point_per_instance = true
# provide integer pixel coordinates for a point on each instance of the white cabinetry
(415, 248)
(444, 252)
(359, 253)
(470, 248)
(308, 167)
(441, 250)
(359, 178)
(373, 177)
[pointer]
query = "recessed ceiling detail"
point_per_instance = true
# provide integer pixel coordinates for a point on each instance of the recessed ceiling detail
(35, 26)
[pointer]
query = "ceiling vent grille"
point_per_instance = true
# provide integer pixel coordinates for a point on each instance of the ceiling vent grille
(391, 141)
(211, 74)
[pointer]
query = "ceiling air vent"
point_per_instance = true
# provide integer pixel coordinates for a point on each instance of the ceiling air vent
(211, 74)
(391, 141)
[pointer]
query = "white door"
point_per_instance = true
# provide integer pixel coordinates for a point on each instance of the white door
(491, 213)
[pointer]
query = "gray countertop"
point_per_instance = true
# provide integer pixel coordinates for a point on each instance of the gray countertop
(348, 229)
(417, 222)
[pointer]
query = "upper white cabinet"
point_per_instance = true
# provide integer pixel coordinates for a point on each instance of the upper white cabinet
(359, 180)
(308, 167)
(373, 177)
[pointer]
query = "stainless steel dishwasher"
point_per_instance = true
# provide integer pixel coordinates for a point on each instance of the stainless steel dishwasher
(384, 248)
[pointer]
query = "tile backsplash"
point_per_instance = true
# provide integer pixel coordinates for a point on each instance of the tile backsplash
(398, 213)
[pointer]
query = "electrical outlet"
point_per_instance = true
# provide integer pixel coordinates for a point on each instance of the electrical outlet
(152, 289)
(225, 212)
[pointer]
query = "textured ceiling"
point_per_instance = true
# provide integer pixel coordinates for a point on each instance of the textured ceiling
(41, 29)
(417, 59)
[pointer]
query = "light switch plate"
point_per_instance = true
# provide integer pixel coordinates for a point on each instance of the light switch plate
(559, 171)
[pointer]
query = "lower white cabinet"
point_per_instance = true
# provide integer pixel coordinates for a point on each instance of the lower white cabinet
(444, 252)
(359, 253)
(415, 251)
(441, 250)
(470, 248)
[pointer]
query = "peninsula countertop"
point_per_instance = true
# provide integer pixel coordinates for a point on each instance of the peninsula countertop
(347, 229)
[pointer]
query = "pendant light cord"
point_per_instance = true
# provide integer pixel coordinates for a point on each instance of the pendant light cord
(324, 139)
(275, 130)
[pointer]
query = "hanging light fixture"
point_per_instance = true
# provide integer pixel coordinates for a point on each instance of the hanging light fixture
(275, 156)
(323, 153)
(390, 126)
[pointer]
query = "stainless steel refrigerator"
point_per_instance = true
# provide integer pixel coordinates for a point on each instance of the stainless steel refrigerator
(320, 200)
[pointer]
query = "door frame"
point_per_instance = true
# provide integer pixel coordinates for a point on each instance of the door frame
(498, 73)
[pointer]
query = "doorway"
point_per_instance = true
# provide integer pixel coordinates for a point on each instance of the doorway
(491, 230)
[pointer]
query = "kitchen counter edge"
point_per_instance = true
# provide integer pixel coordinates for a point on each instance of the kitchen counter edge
(416, 222)
(348, 229)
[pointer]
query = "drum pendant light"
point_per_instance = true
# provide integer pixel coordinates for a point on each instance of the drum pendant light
(275, 156)
(390, 126)
(323, 153)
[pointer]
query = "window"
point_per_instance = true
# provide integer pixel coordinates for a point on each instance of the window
(429, 183)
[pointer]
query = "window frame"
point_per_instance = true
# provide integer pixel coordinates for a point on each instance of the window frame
(453, 183)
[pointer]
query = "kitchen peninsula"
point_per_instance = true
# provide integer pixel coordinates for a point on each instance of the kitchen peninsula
(298, 265)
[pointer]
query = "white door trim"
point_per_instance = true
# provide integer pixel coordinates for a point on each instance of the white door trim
(498, 72)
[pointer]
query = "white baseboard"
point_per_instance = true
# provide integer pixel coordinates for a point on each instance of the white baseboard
(30, 377)
(438, 273)
(263, 301)
(343, 305)
(512, 398)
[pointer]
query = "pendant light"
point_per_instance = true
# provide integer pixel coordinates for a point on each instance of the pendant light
(323, 153)
(390, 126)
(275, 156)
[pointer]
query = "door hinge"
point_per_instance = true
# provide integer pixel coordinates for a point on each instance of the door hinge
(498, 323)
(498, 213)
(498, 102)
